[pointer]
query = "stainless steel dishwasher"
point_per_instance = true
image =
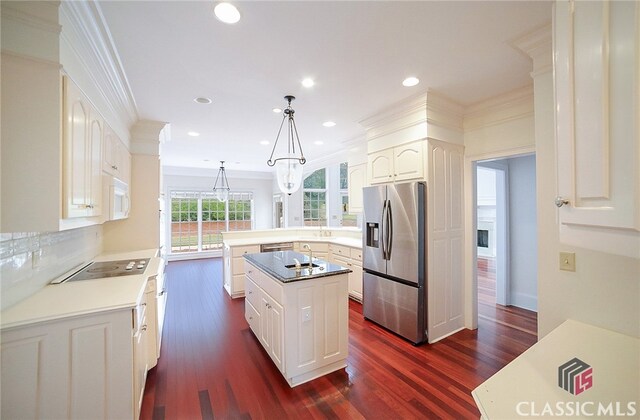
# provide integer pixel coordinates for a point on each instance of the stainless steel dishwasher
(278, 246)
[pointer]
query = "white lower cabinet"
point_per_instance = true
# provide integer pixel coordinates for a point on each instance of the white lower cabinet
(352, 259)
(75, 368)
(83, 367)
(302, 325)
(233, 268)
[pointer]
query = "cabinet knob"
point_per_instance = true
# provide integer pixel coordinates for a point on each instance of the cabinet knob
(144, 327)
(250, 271)
(143, 304)
(250, 317)
(114, 167)
(390, 176)
(561, 201)
(250, 292)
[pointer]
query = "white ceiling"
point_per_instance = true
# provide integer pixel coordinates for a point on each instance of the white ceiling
(358, 52)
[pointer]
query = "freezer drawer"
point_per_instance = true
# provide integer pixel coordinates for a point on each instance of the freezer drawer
(396, 306)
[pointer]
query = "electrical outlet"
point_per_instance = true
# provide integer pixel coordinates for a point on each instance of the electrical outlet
(306, 314)
(568, 261)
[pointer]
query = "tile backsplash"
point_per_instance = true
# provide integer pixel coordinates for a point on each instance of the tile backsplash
(29, 261)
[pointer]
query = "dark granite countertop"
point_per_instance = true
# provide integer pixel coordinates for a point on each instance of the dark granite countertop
(273, 263)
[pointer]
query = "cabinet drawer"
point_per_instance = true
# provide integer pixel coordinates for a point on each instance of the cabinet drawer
(340, 250)
(252, 316)
(251, 292)
(315, 247)
(239, 251)
(356, 254)
(344, 262)
(271, 286)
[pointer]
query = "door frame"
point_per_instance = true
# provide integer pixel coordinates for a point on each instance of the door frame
(503, 279)
(471, 228)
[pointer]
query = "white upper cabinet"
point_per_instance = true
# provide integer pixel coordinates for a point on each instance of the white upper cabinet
(400, 163)
(117, 159)
(597, 56)
(357, 180)
(82, 157)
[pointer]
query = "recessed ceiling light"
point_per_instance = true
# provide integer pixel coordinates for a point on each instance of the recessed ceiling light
(264, 142)
(202, 100)
(193, 133)
(227, 13)
(277, 110)
(205, 160)
(329, 124)
(308, 82)
(410, 81)
(318, 143)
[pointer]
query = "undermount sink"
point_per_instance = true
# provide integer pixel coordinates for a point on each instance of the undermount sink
(301, 266)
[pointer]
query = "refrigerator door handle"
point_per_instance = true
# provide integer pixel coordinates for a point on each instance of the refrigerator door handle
(382, 230)
(389, 230)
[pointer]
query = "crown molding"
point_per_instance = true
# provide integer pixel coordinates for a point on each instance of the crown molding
(501, 109)
(40, 16)
(537, 45)
(419, 112)
(88, 37)
(31, 29)
(146, 136)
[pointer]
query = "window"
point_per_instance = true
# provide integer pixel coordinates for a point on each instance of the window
(198, 219)
(314, 203)
(347, 219)
(184, 222)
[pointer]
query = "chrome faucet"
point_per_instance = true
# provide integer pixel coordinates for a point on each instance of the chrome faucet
(308, 248)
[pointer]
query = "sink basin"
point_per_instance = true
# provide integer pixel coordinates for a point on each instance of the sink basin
(302, 266)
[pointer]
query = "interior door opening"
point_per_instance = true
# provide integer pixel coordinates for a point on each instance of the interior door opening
(506, 241)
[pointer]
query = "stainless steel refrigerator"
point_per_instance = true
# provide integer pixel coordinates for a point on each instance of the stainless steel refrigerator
(394, 258)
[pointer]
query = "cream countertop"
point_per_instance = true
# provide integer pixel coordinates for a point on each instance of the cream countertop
(56, 301)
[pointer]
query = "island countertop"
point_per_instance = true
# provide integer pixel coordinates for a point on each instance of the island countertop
(273, 263)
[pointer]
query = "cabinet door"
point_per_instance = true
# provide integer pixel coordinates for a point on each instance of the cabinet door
(381, 167)
(265, 332)
(357, 181)
(276, 325)
(355, 281)
(77, 152)
(110, 151)
(596, 81)
(408, 162)
(94, 164)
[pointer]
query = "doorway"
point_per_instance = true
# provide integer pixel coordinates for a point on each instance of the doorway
(506, 248)
(278, 211)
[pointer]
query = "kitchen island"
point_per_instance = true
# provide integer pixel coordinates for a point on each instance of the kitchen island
(300, 315)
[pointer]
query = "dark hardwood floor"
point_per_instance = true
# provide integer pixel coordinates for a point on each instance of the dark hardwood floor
(212, 366)
(489, 310)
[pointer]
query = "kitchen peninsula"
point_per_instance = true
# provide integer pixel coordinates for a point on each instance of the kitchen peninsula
(341, 246)
(298, 310)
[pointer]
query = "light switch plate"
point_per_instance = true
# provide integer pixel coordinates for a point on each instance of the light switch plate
(568, 261)
(306, 314)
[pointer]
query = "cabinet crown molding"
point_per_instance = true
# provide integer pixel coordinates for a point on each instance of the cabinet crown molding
(86, 33)
(424, 109)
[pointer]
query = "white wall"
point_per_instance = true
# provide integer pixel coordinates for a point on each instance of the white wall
(497, 128)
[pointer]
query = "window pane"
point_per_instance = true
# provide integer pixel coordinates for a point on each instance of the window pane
(344, 175)
(316, 180)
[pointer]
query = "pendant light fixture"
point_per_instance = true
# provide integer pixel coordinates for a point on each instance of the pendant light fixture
(289, 165)
(221, 192)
